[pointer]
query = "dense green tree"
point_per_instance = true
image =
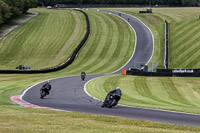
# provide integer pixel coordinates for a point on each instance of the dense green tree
(14, 8)
(189, 2)
(5, 12)
(122, 2)
(29, 4)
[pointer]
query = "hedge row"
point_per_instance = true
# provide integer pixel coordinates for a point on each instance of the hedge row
(121, 2)
(13, 8)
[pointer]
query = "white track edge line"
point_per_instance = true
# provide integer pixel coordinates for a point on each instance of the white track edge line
(95, 78)
(127, 63)
(152, 109)
(147, 28)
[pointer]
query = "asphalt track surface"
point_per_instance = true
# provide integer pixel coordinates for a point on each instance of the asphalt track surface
(68, 92)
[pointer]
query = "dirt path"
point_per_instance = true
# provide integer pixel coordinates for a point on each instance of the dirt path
(19, 22)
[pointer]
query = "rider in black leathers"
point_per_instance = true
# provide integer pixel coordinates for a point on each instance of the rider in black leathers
(118, 95)
(83, 74)
(47, 87)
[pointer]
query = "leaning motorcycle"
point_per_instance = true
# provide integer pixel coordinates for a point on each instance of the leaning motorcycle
(110, 101)
(43, 93)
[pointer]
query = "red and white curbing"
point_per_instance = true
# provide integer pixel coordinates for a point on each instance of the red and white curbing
(17, 100)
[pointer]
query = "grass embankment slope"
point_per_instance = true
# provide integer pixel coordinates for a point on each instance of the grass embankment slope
(107, 33)
(176, 94)
(18, 119)
(180, 94)
(183, 34)
(45, 41)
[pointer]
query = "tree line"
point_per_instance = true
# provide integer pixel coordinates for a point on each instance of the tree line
(121, 2)
(13, 8)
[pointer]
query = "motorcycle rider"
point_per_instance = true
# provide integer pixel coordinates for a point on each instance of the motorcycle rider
(47, 87)
(118, 95)
(83, 74)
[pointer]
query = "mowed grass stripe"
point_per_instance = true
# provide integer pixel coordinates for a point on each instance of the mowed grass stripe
(183, 45)
(193, 62)
(187, 51)
(116, 47)
(39, 40)
(180, 26)
(191, 55)
(130, 95)
(174, 93)
(191, 48)
(143, 92)
(92, 49)
(186, 34)
(88, 48)
(123, 49)
(181, 20)
(186, 29)
(146, 90)
(110, 44)
(104, 46)
(156, 25)
(161, 93)
(78, 122)
(58, 40)
(78, 32)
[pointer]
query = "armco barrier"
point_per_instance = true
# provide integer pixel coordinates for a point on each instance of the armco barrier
(63, 65)
(166, 73)
(166, 47)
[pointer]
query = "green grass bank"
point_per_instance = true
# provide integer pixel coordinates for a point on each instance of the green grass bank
(168, 93)
(46, 40)
(105, 36)
(183, 34)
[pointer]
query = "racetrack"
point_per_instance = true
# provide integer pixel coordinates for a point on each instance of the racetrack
(68, 92)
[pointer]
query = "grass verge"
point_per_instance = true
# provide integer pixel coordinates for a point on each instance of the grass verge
(19, 119)
(166, 93)
(183, 34)
(23, 120)
(44, 41)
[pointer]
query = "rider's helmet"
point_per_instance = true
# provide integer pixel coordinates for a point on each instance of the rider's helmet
(48, 82)
(83, 72)
(117, 88)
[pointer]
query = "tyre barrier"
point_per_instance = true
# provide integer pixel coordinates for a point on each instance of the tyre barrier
(63, 65)
(145, 11)
(164, 72)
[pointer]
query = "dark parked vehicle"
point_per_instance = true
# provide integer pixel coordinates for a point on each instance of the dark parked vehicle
(21, 67)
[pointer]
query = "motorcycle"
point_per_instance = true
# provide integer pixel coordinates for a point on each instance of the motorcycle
(83, 76)
(110, 101)
(43, 92)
